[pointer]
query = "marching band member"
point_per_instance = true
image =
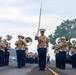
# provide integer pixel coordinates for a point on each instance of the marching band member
(42, 49)
(20, 51)
(73, 53)
(31, 57)
(2, 52)
(36, 58)
(62, 52)
(56, 51)
(7, 47)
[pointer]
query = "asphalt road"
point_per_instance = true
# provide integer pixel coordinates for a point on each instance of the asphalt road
(68, 71)
(13, 70)
(32, 69)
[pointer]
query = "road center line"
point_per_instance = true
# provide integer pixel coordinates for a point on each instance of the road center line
(52, 71)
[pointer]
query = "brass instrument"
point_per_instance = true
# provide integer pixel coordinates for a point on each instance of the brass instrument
(67, 40)
(28, 40)
(5, 42)
(57, 40)
(72, 40)
(9, 37)
(71, 53)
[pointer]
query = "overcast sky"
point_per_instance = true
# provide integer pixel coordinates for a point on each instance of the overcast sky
(22, 16)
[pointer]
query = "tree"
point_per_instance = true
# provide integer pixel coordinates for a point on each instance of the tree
(67, 29)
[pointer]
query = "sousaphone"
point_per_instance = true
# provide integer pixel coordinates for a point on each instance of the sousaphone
(72, 40)
(57, 40)
(28, 40)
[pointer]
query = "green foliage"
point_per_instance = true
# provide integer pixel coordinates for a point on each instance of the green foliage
(66, 28)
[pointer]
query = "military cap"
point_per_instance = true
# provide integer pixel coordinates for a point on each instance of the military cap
(63, 38)
(9, 36)
(42, 30)
(19, 35)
